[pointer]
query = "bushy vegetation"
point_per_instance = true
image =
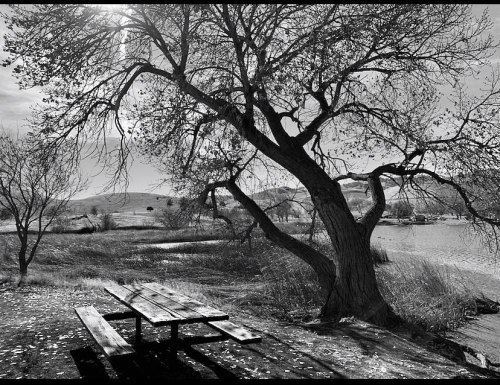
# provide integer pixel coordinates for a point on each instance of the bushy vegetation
(107, 222)
(174, 219)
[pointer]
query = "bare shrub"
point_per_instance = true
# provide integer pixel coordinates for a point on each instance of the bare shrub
(61, 223)
(108, 222)
(174, 219)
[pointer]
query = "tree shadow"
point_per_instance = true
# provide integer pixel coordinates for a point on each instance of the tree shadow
(412, 344)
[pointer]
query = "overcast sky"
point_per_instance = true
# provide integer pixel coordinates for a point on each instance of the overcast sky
(15, 107)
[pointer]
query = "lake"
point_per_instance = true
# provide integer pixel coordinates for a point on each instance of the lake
(449, 244)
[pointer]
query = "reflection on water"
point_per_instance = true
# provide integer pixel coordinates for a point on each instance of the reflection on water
(441, 243)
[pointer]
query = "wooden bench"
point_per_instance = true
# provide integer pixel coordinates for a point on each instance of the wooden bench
(235, 332)
(103, 333)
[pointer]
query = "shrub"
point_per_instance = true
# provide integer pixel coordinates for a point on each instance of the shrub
(60, 224)
(5, 214)
(94, 210)
(107, 222)
(174, 219)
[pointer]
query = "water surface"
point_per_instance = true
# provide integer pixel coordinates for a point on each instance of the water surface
(450, 244)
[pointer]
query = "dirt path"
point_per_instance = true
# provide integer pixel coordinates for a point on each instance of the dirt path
(41, 338)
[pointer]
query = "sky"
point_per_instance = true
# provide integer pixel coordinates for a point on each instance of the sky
(143, 177)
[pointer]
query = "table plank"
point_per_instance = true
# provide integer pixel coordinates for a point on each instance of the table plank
(210, 313)
(153, 313)
(186, 314)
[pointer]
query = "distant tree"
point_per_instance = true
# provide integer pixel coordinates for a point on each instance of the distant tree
(435, 208)
(357, 204)
(149, 208)
(94, 210)
(283, 210)
(458, 208)
(35, 187)
(170, 202)
(401, 209)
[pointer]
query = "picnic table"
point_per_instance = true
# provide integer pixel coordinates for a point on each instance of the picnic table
(160, 306)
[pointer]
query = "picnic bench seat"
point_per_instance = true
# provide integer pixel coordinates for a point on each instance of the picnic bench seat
(235, 332)
(103, 333)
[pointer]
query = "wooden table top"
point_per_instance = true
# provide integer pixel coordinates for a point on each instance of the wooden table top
(160, 305)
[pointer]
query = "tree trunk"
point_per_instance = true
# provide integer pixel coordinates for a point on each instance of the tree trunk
(23, 266)
(355, 290)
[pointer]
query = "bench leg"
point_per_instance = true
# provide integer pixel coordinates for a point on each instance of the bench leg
(174, 339)
(138, 326)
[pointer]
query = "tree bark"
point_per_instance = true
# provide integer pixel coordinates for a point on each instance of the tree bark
(23, 266)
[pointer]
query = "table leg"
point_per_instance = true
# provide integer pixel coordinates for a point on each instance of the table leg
(174, 338)
(138, 326)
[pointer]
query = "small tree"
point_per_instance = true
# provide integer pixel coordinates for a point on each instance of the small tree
(35, 187)
(149, 208)
(94, 210)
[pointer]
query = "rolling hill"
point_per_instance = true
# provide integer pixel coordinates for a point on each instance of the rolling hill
(299, 198)
(120, 202)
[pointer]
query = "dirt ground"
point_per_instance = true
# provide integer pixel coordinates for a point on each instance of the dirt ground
(42, 338)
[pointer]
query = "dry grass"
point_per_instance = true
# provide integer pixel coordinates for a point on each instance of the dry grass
(426, 294)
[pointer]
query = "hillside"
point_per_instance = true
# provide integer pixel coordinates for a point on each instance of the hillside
(120, 202)
(299, 198)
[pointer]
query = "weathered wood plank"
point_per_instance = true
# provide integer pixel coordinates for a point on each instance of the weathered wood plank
(151, 311)
(235, 332)
(102, 332)
(209, 312)
(186, 314)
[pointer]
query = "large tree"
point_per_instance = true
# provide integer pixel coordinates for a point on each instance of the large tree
(218, 92)
(35, 187)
